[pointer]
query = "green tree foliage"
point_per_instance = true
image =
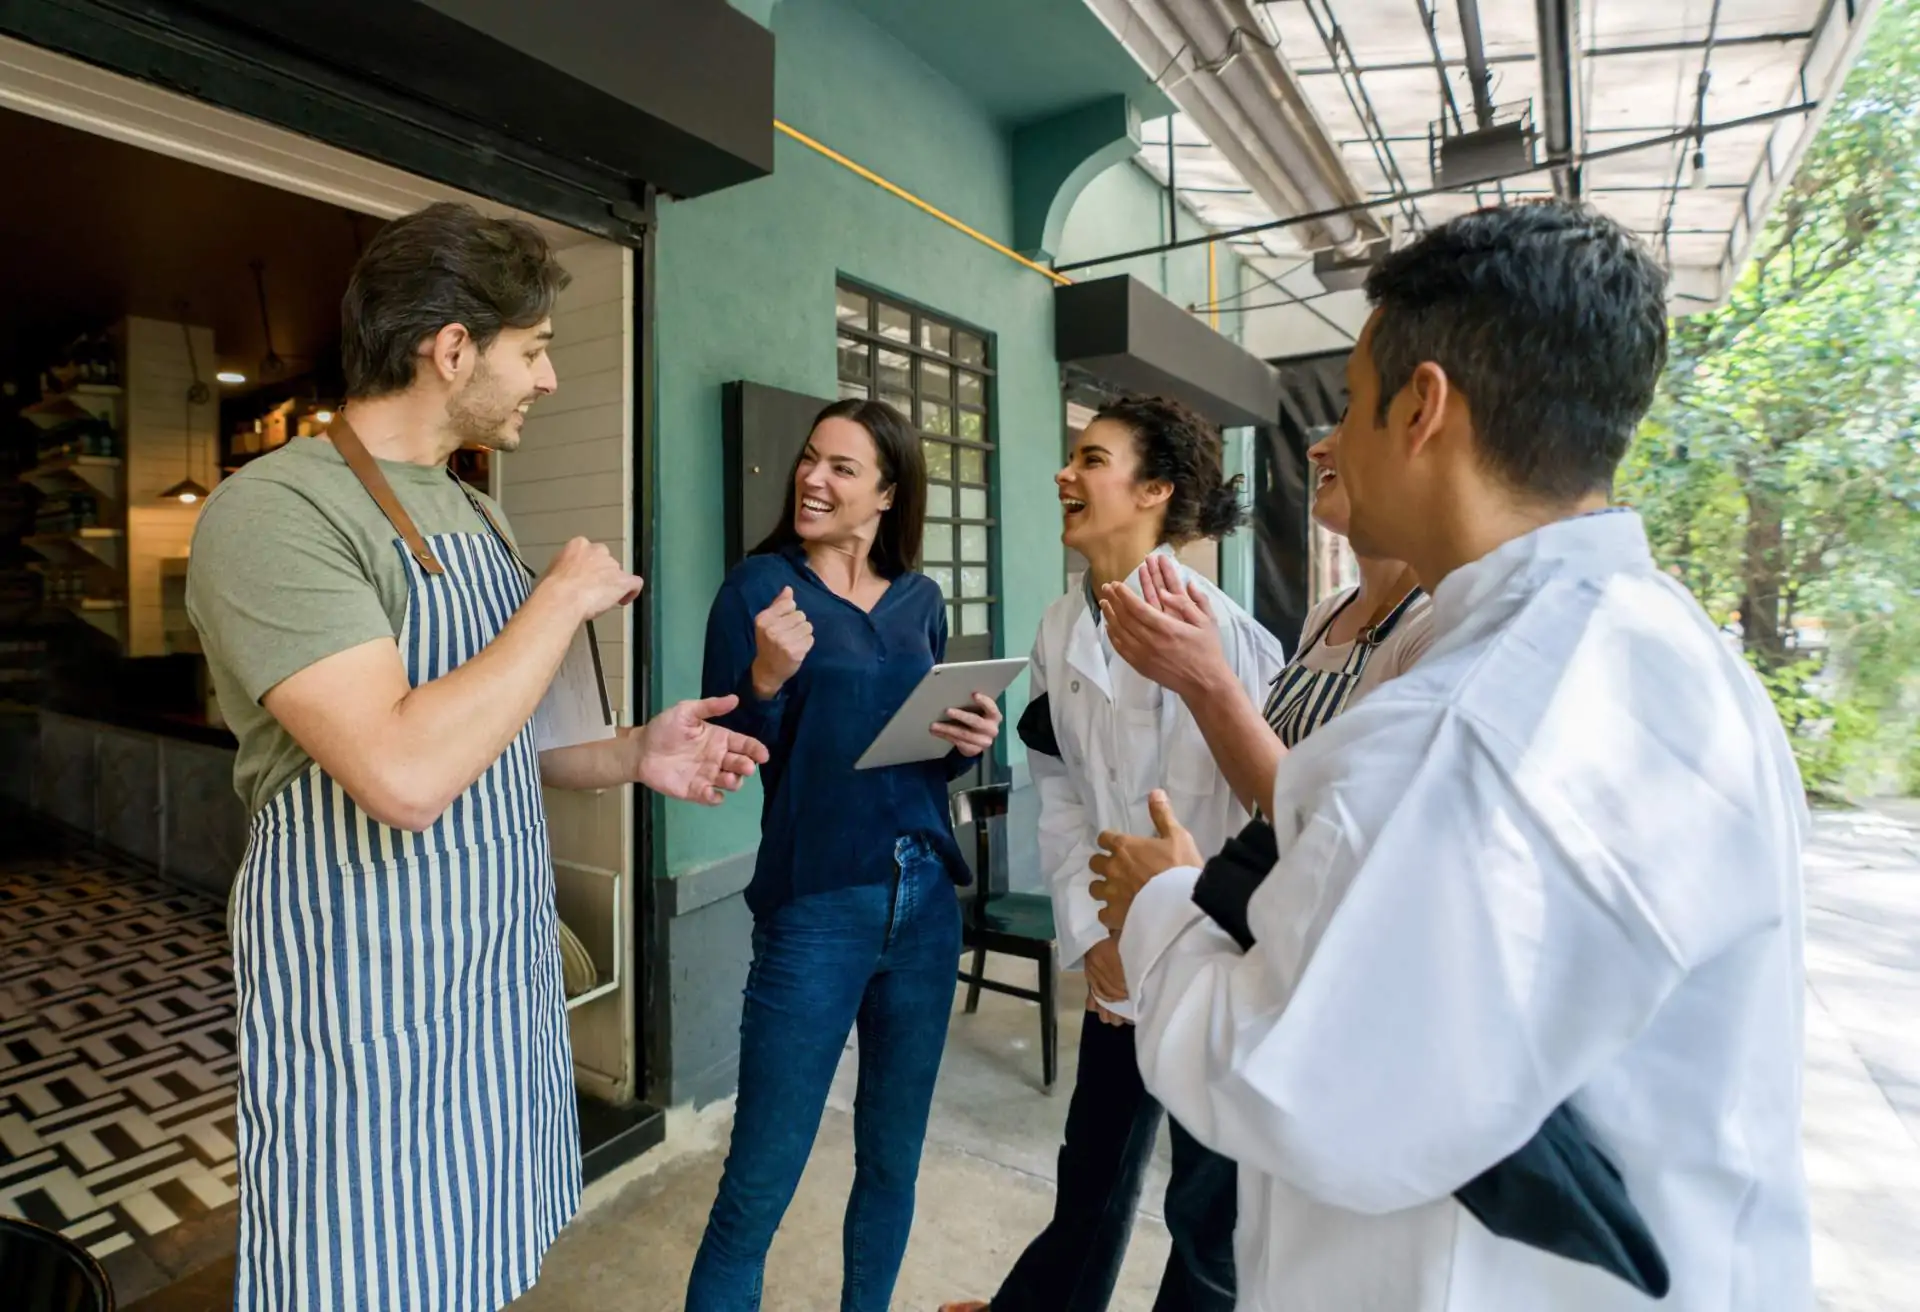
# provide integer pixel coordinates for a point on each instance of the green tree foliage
(1779, 473)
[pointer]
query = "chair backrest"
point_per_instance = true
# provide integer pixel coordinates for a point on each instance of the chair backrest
(43, 1271)
(977, 808)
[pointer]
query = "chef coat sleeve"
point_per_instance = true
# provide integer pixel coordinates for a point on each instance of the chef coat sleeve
(1064, 848)
(1255, 655)
(1439, 963)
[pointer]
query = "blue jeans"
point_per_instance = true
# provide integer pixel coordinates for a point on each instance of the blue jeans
(879, 956)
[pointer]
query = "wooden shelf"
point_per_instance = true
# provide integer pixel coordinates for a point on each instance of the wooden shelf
(100, 473)
(94, 534)
(97, 545)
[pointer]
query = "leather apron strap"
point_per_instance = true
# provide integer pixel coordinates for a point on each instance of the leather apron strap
(367, 470)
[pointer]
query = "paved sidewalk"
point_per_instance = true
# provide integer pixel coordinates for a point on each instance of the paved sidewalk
(985, 1187)
(1863, 1058)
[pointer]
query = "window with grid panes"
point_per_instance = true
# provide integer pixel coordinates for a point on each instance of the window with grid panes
(935, 372)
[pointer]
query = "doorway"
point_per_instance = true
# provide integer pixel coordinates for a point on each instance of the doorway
(170, 314)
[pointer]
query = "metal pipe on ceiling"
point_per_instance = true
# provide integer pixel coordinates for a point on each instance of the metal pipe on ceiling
(1664, 139)
(1476, 55)
(1592, 52)
(1555, 22)
(1219, 65)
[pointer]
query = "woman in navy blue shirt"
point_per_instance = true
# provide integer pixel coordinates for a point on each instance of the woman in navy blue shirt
(823, 632)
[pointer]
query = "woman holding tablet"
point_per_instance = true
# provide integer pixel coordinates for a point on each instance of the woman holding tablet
(1144, 478)
(823, 632)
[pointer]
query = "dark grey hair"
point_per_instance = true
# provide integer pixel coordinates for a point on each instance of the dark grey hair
(1551, 320)
(445, 264)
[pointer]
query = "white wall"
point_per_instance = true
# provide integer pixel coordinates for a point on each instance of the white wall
(573, 477)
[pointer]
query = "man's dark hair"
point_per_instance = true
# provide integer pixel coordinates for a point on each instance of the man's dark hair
(903, 467)
(1178, 447)
(445, 264)
(1549, 317)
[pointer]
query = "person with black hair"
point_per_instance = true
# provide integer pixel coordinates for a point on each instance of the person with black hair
(1540, 891)
(822, 633)
(1145, 477)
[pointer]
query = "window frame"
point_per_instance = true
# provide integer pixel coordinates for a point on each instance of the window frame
(961, 646)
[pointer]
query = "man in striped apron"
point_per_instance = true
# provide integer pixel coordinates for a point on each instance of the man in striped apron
(408, 1133)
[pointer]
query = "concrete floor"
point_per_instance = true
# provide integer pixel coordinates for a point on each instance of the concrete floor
(985, 1185)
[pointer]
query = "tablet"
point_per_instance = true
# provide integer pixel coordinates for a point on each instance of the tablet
(908, 736)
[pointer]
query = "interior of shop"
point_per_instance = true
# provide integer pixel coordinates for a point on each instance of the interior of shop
(164, 324)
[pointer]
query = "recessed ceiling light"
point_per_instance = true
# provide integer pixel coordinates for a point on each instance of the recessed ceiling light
(228, 376)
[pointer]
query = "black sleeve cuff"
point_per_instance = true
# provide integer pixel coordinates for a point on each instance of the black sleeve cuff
(1227, 882)
(1036, 727)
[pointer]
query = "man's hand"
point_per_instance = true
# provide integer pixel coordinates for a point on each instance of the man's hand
(971, 732)
(783, 635)
(1167, 633)
(586, 580)
(679, 754)
(1126, 863)
(1104, 976)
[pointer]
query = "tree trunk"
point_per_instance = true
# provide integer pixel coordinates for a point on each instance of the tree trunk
(1763, 574)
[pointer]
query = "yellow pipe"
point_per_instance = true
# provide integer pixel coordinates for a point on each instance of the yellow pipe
(911, 199)
(1213, 288)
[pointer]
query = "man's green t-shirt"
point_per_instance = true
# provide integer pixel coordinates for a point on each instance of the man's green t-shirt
(293, 562)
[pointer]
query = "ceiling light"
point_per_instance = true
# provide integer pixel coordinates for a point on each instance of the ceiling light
(186, 492)
(324, 416)
(1699, 170)
(229, 376)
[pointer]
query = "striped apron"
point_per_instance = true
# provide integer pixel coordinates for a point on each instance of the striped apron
(1303, 699)
(408, 1135)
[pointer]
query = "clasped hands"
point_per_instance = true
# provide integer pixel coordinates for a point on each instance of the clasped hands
(1127, 861)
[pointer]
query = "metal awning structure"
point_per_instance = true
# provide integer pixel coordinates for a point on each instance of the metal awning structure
(1683, 119)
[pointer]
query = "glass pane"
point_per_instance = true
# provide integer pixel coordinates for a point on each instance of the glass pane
(973, 582)
(853, 358)
(936, 337)
(938, 547)
(969, 349)
(940, 501)
(973, 425)
(973, 619)
(973, 503)
(939, 460)
(952, 623)
(895, 323)
(852, 391)
(850, 307)
(973, 544)
(902, 402)
(973, 389)
(936, 380)
(936, 418)
(893, 370)
(973, 465)
(943, 576)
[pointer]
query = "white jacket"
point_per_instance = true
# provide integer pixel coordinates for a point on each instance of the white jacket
(1121, 736)
(1558, 860)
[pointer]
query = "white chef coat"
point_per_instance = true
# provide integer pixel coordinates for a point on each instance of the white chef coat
(1121, 736)
(1559, 858)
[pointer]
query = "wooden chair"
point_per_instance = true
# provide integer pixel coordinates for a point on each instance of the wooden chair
(1013, 924)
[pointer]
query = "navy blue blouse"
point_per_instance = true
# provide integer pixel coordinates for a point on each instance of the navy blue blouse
(826, 825)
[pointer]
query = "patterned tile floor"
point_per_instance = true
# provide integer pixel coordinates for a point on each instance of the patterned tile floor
(116, 1060)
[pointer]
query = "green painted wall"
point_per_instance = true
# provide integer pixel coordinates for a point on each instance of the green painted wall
(1124, 209)
(744, 290)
